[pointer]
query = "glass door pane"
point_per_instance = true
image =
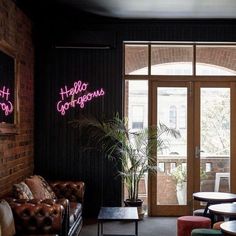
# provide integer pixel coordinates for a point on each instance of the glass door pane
(215, 139)
(172, 160)
(136, 109)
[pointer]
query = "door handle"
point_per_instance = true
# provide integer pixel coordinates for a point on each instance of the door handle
(197, 152)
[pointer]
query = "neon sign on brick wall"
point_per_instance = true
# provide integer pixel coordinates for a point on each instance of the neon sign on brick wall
(78, 95)
(6, 105)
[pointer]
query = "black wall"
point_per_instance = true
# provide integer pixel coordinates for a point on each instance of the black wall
(57, 151)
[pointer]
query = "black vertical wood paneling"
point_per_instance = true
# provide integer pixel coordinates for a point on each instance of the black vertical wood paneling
(57, 151)
(58, 155)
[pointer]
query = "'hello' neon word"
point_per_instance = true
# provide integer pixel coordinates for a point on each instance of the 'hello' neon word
(76, 96)
(5, 105)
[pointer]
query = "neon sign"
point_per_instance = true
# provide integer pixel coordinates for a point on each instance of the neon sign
(77, 95)
(5, 105)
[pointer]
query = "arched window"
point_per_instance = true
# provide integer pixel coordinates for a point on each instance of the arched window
(184, 68)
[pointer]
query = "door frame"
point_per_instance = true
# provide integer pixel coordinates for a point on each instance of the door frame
(193, 135)
(164, 210)
(217, 84)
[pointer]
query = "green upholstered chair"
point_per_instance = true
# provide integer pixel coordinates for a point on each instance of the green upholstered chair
(206, 232)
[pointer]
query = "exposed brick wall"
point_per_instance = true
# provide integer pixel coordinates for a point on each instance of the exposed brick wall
(16, 151)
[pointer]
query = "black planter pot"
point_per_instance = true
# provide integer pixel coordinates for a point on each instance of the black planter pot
(132, 203)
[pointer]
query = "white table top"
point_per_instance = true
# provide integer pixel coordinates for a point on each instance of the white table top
(225, 209)
(229, 227)
(214, 197)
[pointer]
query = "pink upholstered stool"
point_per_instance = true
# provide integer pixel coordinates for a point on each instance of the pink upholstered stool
(185, 224)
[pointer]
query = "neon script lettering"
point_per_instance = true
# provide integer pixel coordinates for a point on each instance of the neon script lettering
(76, 96)
(78, 88)
(5, 105)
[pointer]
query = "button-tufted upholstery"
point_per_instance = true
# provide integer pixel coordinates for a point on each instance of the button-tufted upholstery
(72, 190)
(37, 216)
(48, 208)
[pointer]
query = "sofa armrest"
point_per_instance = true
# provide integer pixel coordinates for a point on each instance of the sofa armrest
(72, 190)
(37, 216)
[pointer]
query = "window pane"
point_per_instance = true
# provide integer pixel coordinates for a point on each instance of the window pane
(215, 139)
(137, 116)
(172, 166)
(172, 117)
(208, 167)
(161, 166)
(136, 59)
(182, 117)
(172, 182)
(136, 109)
(171, 60)
(137, 103)
(215, 60)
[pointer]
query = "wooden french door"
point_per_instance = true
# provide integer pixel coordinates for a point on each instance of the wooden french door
(203, 114)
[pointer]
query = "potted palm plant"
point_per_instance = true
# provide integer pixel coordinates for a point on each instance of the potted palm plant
(131, 149)
(179, 175)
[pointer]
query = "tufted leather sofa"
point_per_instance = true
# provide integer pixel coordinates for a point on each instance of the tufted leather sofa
(60, 215)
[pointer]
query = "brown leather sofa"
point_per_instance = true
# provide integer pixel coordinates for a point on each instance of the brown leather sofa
(53, 208)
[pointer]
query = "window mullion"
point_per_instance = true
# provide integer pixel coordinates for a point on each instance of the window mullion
(194, 60)
(149, 59)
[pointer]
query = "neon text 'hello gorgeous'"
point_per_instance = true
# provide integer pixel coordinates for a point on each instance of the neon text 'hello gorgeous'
(5, 105)
(77, 95)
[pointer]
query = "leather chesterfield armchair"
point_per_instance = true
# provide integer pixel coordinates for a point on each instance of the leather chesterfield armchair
(47, 208)
(74, 192)
(33, 217)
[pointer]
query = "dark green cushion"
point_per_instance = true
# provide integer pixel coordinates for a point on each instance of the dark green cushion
(206, 232)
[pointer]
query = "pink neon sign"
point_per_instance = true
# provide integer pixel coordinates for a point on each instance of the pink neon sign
(5, 105)
(76, 96)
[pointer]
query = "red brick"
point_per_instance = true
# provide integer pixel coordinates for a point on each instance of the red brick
(16, 151)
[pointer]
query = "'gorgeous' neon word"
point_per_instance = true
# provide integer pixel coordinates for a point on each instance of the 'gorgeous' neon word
(5, 105)
(76, 96)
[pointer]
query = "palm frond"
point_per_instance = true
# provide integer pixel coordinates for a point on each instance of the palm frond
(134, 150)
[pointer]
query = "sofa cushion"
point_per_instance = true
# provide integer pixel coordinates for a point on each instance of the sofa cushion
(39, 187)
(21, 191)
(75, 212)
(48, 187)
(6, 219)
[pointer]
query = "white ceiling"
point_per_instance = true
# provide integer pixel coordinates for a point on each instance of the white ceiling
(158, 9)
